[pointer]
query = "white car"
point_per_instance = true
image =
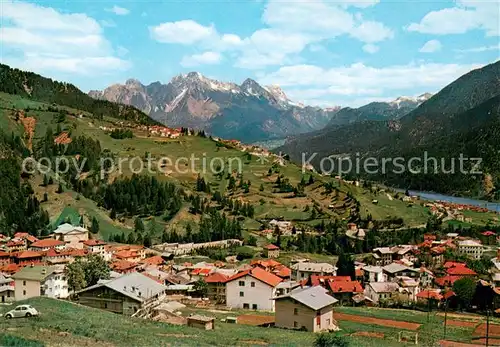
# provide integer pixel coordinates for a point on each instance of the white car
(22, 311)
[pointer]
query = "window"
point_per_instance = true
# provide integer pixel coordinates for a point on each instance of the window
(295, 324)
(241, 283)
(328, 322)
(247, 306)
(295, 311)
(252, 284)
(254, 306)
(24, 283)
(242, 294)
(24, 292)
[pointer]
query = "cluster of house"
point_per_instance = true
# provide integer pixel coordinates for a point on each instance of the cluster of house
(163, 131)
(448, 210)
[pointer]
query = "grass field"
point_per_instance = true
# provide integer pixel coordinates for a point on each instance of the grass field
(66, 324)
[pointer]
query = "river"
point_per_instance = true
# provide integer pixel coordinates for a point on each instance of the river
(492, 206)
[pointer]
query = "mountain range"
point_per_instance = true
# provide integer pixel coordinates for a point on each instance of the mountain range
(461, 119)
(247, 112)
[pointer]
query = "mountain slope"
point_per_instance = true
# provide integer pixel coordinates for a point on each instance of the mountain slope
(378, 111)
(450, 121)
(248, 112)
(36, 87)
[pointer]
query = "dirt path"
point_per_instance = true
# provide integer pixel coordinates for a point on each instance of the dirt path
(376, 321)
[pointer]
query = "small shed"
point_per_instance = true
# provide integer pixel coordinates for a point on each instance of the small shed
(201, 322)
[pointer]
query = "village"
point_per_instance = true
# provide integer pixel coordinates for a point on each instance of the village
(154, 283)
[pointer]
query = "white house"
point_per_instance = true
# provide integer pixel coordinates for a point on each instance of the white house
(97, 247)
(377, 291)
(303, 270)
(252, 289)
(33, 281)
(373, 273)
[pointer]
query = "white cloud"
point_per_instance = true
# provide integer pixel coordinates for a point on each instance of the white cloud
(44, 40)
(371, 32)
(359, 79)
(183, 32)
(480, 49)
(290, 28)
(465, 16)
(205, 58)
(119, 11)
(370, 48)
(431, 46)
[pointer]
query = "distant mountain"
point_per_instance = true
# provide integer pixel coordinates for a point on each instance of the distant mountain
(448, 124)
(378, 110)
(33, 86)
(248, 112)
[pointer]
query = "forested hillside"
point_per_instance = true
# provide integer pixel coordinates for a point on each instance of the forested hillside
(35, 87)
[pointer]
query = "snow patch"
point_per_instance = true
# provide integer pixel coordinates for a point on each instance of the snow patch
(170, 107)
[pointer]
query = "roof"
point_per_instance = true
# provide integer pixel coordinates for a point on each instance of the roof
(429, 294)
(384, 287)
(154, 260)
(134, 285)
(447, 280)
(259, 274)
(94, 242)
(448, 294)
(345, 287)
(216, 277)
(469, 243)
(488, 233)
(317, 280)
(271, 247)
(47, 243)
(121, 265)
(283, 272)
(34, 273)
(453, 264)
(460, 271)
(313, 297)
(383, 250)
(28, 254)
(395, 267)
(371, 268)
(314, 267)
(126, 254)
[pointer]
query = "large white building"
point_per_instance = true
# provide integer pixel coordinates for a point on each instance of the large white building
(252, 289)
(303, 270)
(471, 248)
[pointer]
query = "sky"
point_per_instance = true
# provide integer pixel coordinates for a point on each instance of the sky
(320, 52)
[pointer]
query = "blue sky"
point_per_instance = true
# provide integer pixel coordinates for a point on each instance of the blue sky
(320, 52)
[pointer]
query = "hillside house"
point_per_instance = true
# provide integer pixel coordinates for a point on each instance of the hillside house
(28, 258)
(306, 308)
(7, 291)
(394, 270)
(373, 274)
(216, 283)
(94, 246)
(380, 291)
(471, 248)
(252, 289)
(125, 295)
(303, 270)
(271, 251)
(46, 244)
(40, 280)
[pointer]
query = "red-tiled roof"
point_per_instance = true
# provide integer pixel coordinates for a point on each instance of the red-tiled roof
(29, 254)
(5, 254)
(460, 271)
(126, 254)
(94, 242)
(359, 272)
(154, 260)
(283, 272)
(317, 280)
(201, 271)
(20, 235)
(10, 268)
(122, 265)
(446, 281)
(13, 243)
(216, 277)
(47, 243)
(429, 294)
(449, 264)
(260, 274)
(488, 233)
(345, 286)
(448, 294)
(271, 247)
